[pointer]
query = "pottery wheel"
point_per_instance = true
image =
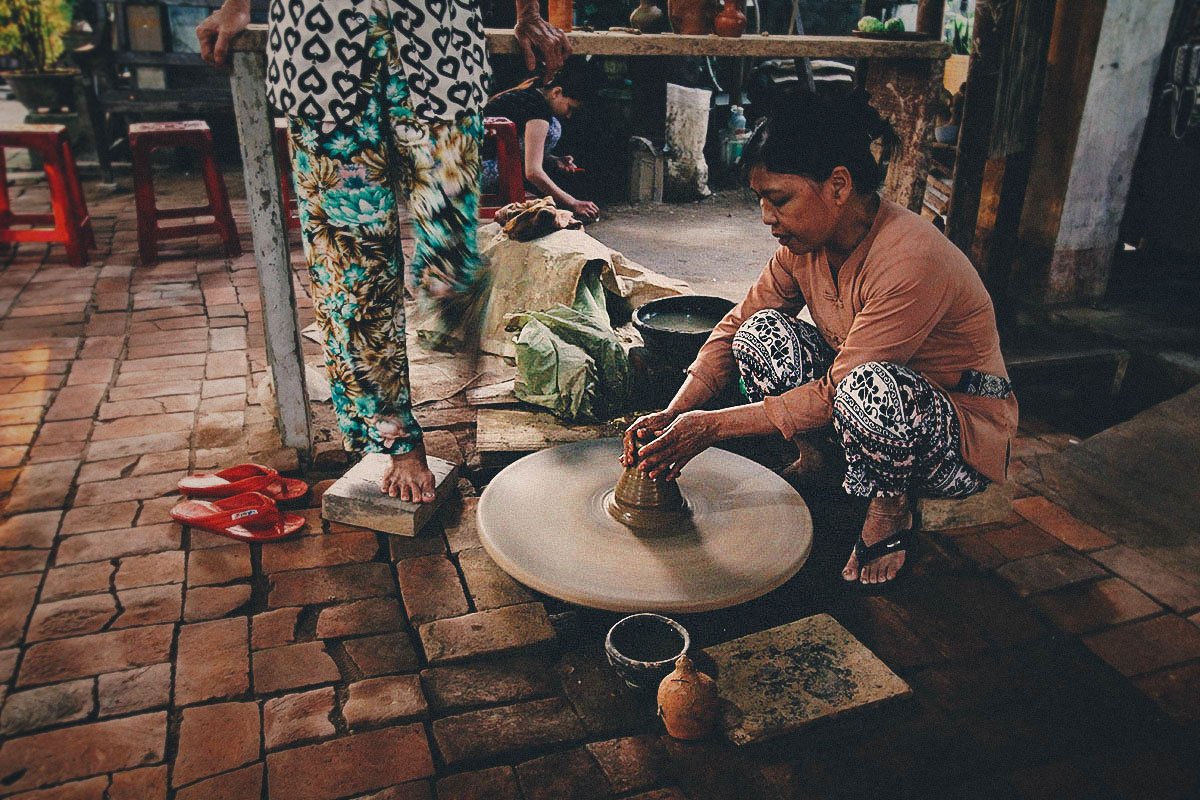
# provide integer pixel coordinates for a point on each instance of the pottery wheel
(544, 521)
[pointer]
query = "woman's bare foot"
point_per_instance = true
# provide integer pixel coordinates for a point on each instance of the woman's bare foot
(885, 516)
(409, 477)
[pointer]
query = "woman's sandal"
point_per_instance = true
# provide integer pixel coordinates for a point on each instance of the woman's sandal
(904, 541)
(241, 479)
(249, 517)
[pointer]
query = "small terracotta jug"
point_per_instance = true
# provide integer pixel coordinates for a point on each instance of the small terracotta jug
(647, 17)
(691, 17)
(687, 701)
(731, 21)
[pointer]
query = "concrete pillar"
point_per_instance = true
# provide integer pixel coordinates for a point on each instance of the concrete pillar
(1099, 87)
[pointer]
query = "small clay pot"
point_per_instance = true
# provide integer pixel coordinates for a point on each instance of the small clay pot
(687, 701)
(647, 17)
(642, 648)
(731, 22)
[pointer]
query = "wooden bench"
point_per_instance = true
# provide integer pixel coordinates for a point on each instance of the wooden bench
(144, 63)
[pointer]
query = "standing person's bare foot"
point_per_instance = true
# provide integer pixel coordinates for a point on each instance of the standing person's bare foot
(408, 477)
(886, 516)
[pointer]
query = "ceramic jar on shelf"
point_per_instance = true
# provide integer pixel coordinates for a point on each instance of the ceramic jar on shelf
(647, 17)
(731, 22)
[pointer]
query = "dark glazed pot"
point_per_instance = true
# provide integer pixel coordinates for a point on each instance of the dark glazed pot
(674, 343)
(643, 648)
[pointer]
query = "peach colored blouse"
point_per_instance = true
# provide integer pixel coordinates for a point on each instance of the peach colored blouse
(906, 295)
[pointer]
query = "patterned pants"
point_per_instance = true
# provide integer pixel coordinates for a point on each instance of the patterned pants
(348, 178)
(899, 431)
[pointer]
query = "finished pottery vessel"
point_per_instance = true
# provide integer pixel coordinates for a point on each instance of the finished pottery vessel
(687, 701)
(647, 17)
(643, 647)
(731, 22)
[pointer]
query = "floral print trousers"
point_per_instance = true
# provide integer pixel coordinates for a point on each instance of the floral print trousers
(898, 430)
(349, 178)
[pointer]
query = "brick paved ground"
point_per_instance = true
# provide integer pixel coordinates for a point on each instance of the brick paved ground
(141, 660)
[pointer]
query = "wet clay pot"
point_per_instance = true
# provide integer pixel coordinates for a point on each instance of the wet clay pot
(731, 22)
(647, 17)
(687, 701)
(692, 17)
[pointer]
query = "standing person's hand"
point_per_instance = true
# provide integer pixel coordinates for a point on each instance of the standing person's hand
(219, 28)
(536, 36)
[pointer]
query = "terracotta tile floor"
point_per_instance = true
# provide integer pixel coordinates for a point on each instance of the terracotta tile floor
(142, 660)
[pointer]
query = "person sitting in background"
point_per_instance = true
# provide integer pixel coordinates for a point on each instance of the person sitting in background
(537, 109)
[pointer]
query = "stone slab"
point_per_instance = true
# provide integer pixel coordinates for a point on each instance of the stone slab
(355, 498)
(991, 505)
(779, 680)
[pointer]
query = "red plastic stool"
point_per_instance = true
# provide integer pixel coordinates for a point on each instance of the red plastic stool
(283, 155)
(144, 139)
(72, 224)
(501, 133)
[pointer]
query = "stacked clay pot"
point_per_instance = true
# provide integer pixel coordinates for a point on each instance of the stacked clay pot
(691, 17)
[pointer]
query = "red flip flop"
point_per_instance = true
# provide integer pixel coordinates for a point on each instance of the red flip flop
(241, 479)
(249, 517)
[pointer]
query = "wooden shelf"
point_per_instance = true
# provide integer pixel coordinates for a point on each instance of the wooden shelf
(616, 43)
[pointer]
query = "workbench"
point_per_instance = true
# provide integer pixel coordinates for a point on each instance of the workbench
(903, 78)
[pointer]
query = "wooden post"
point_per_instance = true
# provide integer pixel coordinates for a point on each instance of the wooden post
(905, 92)
(269, 230)
(930, 14)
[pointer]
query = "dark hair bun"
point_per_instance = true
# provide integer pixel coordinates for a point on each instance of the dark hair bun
(811, 135)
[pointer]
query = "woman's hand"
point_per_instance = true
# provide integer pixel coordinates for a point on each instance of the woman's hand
(686, 437)
(644, 427)
(217, 30)
(586, 209)
(566, 164)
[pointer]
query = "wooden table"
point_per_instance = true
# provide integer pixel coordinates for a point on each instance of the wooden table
(903, 78)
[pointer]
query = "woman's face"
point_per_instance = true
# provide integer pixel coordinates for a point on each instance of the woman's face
(800, 212)
(561, 105)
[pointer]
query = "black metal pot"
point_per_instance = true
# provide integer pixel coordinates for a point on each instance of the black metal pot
(675, 328)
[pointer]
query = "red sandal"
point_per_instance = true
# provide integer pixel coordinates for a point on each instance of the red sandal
(241, 479)
(249, 517)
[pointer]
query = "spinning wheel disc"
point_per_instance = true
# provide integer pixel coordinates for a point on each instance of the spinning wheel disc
(544, 520)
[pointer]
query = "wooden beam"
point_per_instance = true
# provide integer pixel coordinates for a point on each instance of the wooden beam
(267, 223)
(930, 17)
(615, 43)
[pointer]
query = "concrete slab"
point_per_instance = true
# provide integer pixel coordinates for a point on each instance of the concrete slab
(355, 498)
(779, 680)
(991, 505)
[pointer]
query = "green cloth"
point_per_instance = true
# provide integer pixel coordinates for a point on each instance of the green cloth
(569, 360)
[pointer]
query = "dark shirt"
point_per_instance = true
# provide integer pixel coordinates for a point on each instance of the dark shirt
(520, 106)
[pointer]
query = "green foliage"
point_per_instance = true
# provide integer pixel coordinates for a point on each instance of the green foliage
(957, 32)
(894, 25)
(32, 30)
(870, 25)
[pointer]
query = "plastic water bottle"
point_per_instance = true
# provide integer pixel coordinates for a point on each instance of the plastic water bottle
(737, 120)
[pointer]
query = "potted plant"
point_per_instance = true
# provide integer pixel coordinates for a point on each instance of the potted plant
(958, 34)
(32, 32)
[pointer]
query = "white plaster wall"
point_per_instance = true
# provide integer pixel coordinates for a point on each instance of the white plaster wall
(1132, 38)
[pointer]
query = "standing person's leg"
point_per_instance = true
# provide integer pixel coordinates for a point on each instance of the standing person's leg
(345, 178)
(901, 438)
(443, 198)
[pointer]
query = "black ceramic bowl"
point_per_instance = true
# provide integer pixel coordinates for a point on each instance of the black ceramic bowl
(674, 328)
(643, 648)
